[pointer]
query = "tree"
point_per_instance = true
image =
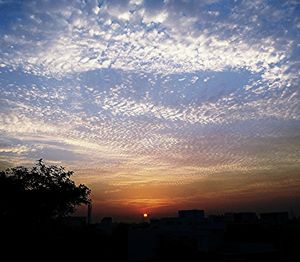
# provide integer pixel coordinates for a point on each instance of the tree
(39, 193)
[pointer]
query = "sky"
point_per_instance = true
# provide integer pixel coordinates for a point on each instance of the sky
(156, 105)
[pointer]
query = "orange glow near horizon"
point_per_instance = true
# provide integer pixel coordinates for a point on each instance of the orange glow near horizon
(214, 193)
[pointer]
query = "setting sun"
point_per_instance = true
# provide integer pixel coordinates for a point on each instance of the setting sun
(145, 215)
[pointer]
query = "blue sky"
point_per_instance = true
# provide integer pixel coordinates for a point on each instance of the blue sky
(145, 97)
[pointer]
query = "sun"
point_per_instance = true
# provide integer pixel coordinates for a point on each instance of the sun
(145, 215)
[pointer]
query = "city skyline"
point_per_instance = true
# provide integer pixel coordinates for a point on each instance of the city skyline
(156, 105)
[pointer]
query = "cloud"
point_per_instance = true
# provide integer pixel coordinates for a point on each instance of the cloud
(120, 35)
(19, 149)
(163, 93)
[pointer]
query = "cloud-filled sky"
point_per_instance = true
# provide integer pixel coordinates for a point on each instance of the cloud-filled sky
(157, 105)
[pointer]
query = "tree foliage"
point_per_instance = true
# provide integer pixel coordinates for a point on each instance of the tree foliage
(39, 193)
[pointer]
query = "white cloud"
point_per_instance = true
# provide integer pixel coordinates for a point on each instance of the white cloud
(18, 149)
(88, 42)
(13, 123)
(158, 107)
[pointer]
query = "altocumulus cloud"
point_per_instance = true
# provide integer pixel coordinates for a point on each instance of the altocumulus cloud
(151, 86)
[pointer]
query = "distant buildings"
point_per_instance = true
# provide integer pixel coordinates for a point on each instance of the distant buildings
(241, 217)
(274, 218)
(106, 226)
(193, 214)
(190, 230)
(234, 236)
(106, 220)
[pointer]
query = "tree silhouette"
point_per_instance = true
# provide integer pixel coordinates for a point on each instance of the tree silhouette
(39, 193)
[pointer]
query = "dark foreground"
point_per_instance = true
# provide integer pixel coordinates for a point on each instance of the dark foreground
(167, 239)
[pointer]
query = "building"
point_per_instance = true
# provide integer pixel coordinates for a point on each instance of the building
(106, 226)
(193, 214)
(274, 218)
(107, 220)
(241, 217)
